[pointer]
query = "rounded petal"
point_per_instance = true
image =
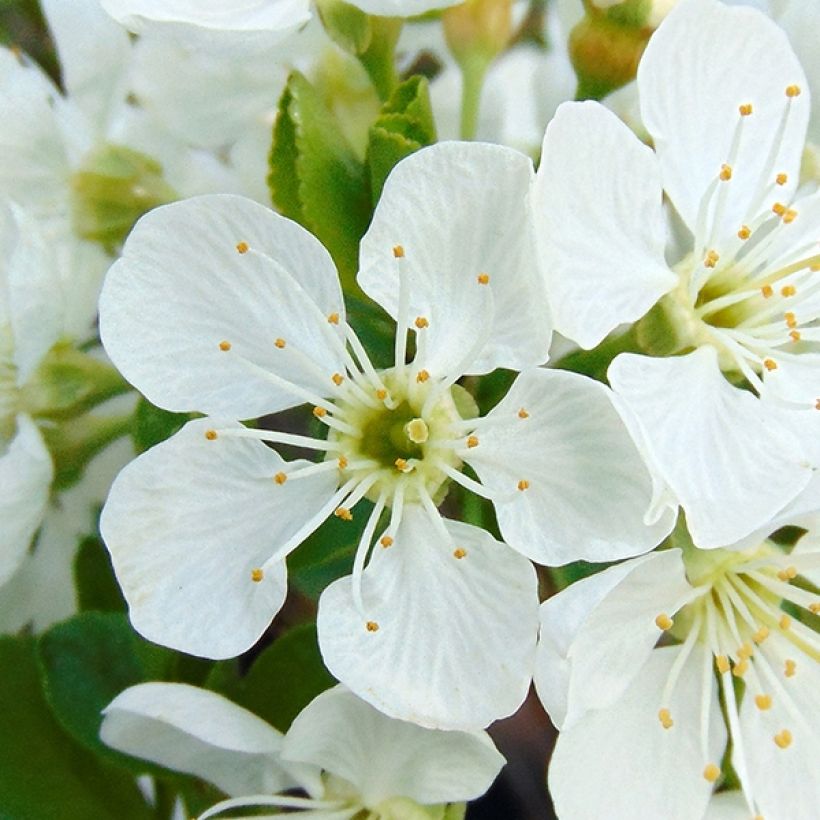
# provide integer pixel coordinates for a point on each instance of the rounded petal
(460, 210)
(216, 269)
(731, 460)
(727, 806)
(25, 478)
(447, 636)
(574, 504)
(705, 61)
(602, 229)
(189, 521)
(198, 732)
(385, 758)
(620, 763)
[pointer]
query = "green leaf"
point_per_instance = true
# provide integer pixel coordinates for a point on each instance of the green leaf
(404, 125)
(347, 26)
(153, 425)
(86, 662)
(97, 588)
(283, 679)
(315, 176)
(44, 775)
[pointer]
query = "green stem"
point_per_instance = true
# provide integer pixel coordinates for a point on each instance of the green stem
(472, 75)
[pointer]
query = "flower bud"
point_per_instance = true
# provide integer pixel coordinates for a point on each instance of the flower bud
(478, 30)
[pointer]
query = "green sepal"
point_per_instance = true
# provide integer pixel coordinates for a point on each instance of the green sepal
(153, 424)
(595, 363)
(283, 679)
(404, 125)
(347, 26)
(315, 176)
(97, 587)
(657, 332)
(44, 773)
(114, 188)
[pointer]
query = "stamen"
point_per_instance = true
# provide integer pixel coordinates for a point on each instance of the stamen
(211, 435)
(783, 739)
(257, 575)
(711, 772)
(770, 364)
(459, 553)
(241, 247)
(711, 259)
(472, 441)
(483, 279)
(362, 551)
(781, 179)
(665, 717)
(337, 379)
(280, 478)
(285, 802)
(767, 291)
(386, 541)
(745, 232)
(523, 484)
(788, 290)
(664, 622)
(725, 172)
(745, 110)
(333, 318)
(225, 346)
(523, 414)
(372, 626)
(763, 702)
(790, 668)
(400, 346)
(792, 91)
(421, 322)
(343, 513)
(722, 663)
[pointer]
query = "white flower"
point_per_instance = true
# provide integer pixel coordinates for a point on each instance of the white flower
(221, 306)
(642, 726)
(348, 757)
(728, 133)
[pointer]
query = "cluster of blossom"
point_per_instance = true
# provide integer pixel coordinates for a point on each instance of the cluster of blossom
(668, 243)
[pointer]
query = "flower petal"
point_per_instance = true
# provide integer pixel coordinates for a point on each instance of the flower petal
(198, 732)
(447, 636)
(460, 210)
(602, 229)
(385, 758)
(25, 479)
(731, 459)
(222, 268)
(705, 61)
(620, 763)
(618, 634)
(189, 521)
(576, 504)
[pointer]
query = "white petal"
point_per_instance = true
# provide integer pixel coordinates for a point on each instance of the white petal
(181, 288)
(198, 732)
(385, 758)
(727, 806)
(25, 480)
(703, 62)
(796, 379)
(731, 459)
(94, 53)
(615, 639)
(601, 223)
(578, 504)
(619, 762)
(402, 8)
(460, 210)
(456, 637)
(188, 521)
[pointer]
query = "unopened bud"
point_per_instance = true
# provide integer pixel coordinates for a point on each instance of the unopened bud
(478, 29)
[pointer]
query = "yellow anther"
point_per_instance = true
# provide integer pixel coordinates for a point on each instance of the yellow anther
(785, 622)
(421, 322)
(225, 346)
(770, 364)
(342, 463)
(783, 739)
(781, 179)
(422, 376)
(745, 232)
(792, 91)
(210, 435)
(280, 478)
(779, 208)
(337, 379)
(242, 247)
(767, 291)
(711, 259)
(791, 319)
(459, 552)
(483, 279)
(401, 465)
(319, 412)
(790, 668)
(725, 172)
(333, 318)
(381, 394)
(665, 717)
(745, 651)
(523, 414)
(740, 669)
(788, 290)
(787, 573)
(761, 634)
(472, 441)
(817, 404)
(789, 216)
(280, 343)
(386, 541)
(815, 608)
(722, 663)
(794, 335)
(343, 513)
(711, 772)
(257, 575)
(745, 110)
(664, 622)
(763, 702)
(372, 626)
(398, 251)
(523, 484)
